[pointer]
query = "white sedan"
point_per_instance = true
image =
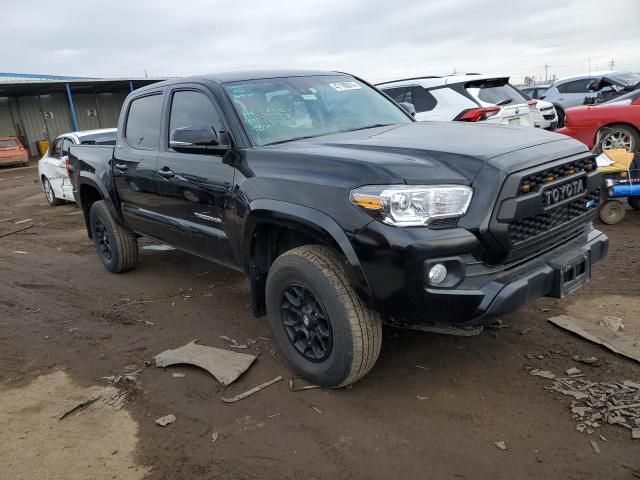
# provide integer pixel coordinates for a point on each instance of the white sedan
(53, 166)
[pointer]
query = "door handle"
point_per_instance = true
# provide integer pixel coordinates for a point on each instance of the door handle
(166, 172)
(122, 166)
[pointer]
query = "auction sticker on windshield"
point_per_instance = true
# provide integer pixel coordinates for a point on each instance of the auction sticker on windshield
(343, 86)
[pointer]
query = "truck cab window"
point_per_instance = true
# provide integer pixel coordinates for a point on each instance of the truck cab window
(190, 108)
(143, 122)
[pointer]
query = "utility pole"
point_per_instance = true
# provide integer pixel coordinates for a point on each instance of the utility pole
(612, 64)
(546, 68)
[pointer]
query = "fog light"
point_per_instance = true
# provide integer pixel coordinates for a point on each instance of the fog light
(437, 274)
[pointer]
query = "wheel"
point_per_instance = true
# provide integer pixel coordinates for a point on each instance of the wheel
(560, 112)
(50, 194)
(117, 247)
(619, 136)
(611, 212)
(634, 202)
(320, 324)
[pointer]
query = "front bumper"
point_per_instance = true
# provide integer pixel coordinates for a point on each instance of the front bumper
(397, 277)
(5, 161)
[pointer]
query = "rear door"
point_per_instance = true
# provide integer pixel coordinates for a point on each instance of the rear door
(53, 167)
(135, 163)
(573, 93)
(67, 188)
(196, 187)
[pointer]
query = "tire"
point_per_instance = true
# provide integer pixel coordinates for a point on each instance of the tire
(623, 136)
(117, 247)
(355, 331)
(634, 202)
(560, 113)
(611, 212)
(50, 194)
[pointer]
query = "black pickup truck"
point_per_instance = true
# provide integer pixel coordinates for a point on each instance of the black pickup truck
(343, 211)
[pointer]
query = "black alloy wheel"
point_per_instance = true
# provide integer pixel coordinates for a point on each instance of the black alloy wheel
(102, 239)
(306, 323)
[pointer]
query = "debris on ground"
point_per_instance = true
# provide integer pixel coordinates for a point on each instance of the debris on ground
(158, 248)
(316, 409)
(214, 437)
(224, 365)
(166, 420)
(23, 221)
(599, 403)
(635, 434)
(251, 391)
(595, 446)
(80, 407)
(543, 373)
(294, 385)
(501, 445)
(586, 360)
(421, 397)
(178, 375)
(117, 400)
(621, 344)
(573, 371)
(123, 378)
(16, 231)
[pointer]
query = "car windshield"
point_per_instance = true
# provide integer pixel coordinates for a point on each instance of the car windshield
(103, 138)
(624, 99)
(278, 110)
(496, 93)
(8, 143)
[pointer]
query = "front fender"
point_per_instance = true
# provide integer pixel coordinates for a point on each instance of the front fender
(285, 213)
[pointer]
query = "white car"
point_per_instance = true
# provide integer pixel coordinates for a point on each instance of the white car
(467, 98)
(53, 166)
(545, 115)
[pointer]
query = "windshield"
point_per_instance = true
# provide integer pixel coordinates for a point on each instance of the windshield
(8, 143)
(278, 110)
(497, 94)
(103, 138)
(624, 99)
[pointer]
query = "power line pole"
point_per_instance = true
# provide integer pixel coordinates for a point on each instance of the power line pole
(546, 67)
(612, 64)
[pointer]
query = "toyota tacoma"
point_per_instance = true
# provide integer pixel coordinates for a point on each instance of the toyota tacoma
(343, 211)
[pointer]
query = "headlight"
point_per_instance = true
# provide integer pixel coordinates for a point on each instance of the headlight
(410, 206)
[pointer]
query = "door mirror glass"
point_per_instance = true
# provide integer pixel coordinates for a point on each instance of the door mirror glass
(195, 137)
(409, 108)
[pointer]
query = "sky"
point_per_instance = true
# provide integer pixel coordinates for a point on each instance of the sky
(375, 40)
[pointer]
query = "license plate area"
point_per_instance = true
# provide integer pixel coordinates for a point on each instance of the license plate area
(514, 121)
(571, 275)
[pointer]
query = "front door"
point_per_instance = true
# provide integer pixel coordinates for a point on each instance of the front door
(196, 186)
(135, 164)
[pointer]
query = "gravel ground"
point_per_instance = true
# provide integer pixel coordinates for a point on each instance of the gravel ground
(432, 407)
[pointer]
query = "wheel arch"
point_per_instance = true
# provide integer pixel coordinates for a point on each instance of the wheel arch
(273, 227)
(611, 124)
(90, 191)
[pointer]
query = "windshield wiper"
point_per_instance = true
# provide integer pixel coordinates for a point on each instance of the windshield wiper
(329, 133)
(504, 102)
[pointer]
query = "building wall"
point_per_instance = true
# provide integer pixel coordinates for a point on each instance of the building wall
(92, 111)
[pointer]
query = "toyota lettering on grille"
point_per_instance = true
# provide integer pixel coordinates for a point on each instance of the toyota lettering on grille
(563, 192)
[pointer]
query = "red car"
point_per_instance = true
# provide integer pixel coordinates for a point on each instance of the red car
(12, 152)
(617, 122)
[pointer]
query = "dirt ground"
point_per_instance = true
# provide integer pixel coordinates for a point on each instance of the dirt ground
(432, 407)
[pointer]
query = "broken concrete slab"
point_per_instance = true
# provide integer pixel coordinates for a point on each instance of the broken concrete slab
(573, 371)
(224, 365)
(617, 342)
(166, 420)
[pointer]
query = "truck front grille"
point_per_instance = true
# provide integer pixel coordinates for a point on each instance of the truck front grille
(534, 182)
(527, 229)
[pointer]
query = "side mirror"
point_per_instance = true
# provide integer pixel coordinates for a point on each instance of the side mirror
(194, 138)
(409, 108)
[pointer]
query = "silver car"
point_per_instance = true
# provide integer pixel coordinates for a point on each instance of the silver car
(581, 89)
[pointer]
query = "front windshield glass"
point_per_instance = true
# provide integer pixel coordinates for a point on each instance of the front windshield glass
(278, 110)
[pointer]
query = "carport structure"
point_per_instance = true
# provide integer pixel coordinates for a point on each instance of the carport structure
(41, 107)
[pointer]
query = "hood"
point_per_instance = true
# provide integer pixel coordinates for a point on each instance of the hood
(429, 152)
